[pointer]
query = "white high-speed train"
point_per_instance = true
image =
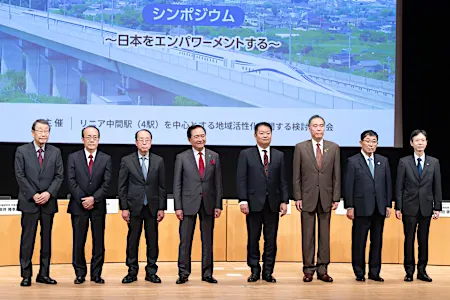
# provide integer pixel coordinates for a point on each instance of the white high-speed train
(235, 60)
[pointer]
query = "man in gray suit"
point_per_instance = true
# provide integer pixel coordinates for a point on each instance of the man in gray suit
(418, 199)
(39, 173)
(197, 189)
(317, 190)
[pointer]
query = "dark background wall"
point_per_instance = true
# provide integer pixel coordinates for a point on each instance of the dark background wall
(424, 93)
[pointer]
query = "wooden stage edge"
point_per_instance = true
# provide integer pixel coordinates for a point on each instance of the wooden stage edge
(232, 277)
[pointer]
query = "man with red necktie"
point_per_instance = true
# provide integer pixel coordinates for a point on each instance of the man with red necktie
(39, 173)
(197, 189)
(89, 177)
(317, 190)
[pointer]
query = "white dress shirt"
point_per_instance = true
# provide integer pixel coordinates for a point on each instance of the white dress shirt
(314, 145)
(422, 161)
(366, 158)
(87, 155)
(36, 147)
(147, 156)
(261, 153)
(197, 156)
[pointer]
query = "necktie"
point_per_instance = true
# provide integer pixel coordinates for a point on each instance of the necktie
(371, 166)
(201, 165)
(319, 156)
(144, 172)
(419, 166)
(266, 163)
(40, 158)
(91, 163)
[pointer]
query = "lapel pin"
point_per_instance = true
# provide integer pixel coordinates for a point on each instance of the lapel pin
(428, 164)
(378, 163)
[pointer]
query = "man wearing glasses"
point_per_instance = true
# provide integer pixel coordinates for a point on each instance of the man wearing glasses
(142, 199)
(39, 173)
(89, 177)
(368, 200)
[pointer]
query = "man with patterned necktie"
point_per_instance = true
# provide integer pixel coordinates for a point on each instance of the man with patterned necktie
(418, 198)
(89, 177)
(263, 197)
(142, 199)
(368, 199)
(317, 190)
(39, 172)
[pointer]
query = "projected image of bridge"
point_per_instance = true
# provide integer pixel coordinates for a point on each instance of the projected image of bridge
(64, 59)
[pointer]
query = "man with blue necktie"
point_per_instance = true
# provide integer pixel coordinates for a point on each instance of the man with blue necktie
(368, 200)
(418, 198)
(142, 199)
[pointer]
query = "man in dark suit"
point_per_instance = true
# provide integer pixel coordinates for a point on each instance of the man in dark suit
(143, 199)
(263, 193)
(89, 177)
(317, 190)
(418, 198)
(197, 189)
(368, 199)
(39, 172)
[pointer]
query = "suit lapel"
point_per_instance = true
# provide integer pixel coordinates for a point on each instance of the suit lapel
(309, 150)
(325, 154)
(138, 166)
(83, 161)
(47, 154)
(364, 165)
(413, 166)
(258, 159)
(426, 166)
(34, 158)
(191, 157)
(376, 166)
(97, 159)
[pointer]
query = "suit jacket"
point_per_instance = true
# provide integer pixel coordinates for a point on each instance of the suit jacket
(33, 179)
(132, 184)
(83, 184)
(309, 180)
(362, 191)
(189, 188)
(252, 183)
(414, 192)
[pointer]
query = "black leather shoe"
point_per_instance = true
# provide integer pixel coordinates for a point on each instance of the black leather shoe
(46, 280)
(360, 278)
(79, 280)
(408, 278)
(181, 280)
(376, 278)
(253, 277)
(26, 282)
(129, 279)
(153, 278)
(209, 279)
(424, 277)
(98, 279)
(269, 278)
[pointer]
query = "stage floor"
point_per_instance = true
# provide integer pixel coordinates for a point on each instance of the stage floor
(232, 284)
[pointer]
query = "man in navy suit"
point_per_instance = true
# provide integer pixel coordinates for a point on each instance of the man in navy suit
(418, 198)
(89, 177)
(368, 200)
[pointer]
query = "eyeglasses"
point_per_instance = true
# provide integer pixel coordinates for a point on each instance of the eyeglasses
(95, 138)
(42, 131)
(370, 142)
(144, 140)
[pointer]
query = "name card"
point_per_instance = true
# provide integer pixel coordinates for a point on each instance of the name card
(112, 206)
(9, 207)
(170, 206)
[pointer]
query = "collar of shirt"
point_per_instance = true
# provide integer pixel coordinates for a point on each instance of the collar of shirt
(146, 156)
(36, 147)
(366, 158)
(315, 143)
(260, 149)
(86, 153)
(422, 157)
(196, 152)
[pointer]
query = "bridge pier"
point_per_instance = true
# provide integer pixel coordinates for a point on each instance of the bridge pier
(147, 94)
(99, 81)
(65, 80)
(11, 57)
(38, 71)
